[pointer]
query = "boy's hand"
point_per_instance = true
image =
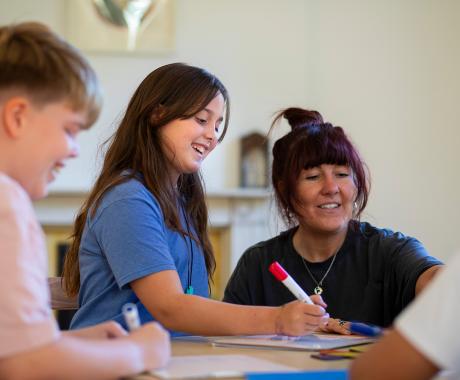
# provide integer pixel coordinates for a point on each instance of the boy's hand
(106, 330)
(154, 343)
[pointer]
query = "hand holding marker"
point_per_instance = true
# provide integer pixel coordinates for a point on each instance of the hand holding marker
(131, 316)
(281, 275)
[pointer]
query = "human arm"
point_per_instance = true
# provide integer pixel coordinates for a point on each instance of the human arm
(410, 265)
(162, 295)
(31, 347)
(409, 273)
(134, 227)
(392, 358)
(106, 330)
(71, 357)
(425, 278)
(422, 341)
(342, 327)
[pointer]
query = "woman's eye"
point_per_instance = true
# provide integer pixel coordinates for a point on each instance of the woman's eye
(201, 121)
(343, 174)
(311, 177)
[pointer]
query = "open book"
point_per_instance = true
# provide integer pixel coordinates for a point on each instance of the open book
(313, 342)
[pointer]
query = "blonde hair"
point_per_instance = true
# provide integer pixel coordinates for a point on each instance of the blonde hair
(37, 61)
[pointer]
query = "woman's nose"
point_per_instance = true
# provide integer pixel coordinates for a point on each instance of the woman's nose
(330, 185)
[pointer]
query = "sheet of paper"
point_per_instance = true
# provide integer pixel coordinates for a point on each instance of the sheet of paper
(215, 366)
(312, 342)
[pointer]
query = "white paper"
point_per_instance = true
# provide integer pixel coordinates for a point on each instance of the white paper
(313, 342)
(217, 366)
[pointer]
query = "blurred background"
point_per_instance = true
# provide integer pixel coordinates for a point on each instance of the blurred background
(386, 71)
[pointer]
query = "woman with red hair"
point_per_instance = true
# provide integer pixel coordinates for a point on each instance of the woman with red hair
(321, 186)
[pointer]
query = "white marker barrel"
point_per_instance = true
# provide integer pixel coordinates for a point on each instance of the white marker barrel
(131, 316)
(281, 275)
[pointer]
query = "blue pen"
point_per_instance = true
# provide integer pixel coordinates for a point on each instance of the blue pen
(365, 329)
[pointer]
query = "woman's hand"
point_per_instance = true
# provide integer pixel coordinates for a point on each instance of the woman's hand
(337, 326)
(106, 330)
(298, 318)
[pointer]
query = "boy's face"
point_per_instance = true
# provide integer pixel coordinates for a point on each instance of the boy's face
(48, 140)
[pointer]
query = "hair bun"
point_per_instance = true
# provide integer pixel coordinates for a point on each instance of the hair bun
(301, 118)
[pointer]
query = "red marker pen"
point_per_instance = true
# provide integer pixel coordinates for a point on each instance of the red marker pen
(281, 275)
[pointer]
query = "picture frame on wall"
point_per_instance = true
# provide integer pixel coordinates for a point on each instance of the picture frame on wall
(121, 26)
(254, 161)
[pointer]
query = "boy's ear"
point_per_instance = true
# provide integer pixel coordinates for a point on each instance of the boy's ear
(14, 114)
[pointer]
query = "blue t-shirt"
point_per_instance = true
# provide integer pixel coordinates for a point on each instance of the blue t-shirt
(125, 240)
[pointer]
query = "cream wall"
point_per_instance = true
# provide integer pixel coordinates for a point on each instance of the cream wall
(388, 71)
(249, 45)
(384, 70)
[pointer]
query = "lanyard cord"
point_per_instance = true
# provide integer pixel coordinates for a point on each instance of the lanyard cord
(189, 289)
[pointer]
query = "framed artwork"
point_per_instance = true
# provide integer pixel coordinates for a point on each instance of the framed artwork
(121, 26)
(254, 160)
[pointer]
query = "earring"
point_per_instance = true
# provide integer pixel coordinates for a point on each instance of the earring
(355, 210)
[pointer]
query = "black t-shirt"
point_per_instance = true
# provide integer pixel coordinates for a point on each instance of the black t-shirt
(372, 279)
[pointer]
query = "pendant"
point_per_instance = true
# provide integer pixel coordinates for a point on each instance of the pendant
(318, 290)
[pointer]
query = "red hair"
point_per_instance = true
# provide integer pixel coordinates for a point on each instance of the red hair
(309, 144)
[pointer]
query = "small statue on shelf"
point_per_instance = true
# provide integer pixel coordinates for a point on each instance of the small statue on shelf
(254, 160)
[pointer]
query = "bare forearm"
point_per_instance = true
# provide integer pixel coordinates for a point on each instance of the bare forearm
(162, 295)
(73, 358)
(202, 316)
(426, 277)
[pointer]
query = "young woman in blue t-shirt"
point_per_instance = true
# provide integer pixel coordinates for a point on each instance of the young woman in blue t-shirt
(141, 236)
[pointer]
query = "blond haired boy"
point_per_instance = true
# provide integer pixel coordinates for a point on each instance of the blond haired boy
(48, 94)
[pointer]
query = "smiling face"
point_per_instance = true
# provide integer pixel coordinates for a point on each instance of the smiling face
(43, 144)
(325, 198)
(187, 142)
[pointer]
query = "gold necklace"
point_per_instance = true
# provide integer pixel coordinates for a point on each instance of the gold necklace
(319, 285)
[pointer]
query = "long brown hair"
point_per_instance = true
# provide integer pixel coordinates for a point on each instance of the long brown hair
(310, 143)
(171, 92)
